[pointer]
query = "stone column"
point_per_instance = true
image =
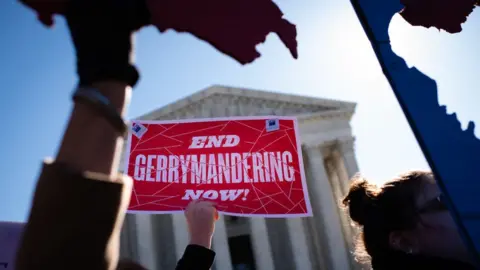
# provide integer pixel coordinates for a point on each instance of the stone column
(347, 151)
(220, 246)
(299, 244)
(146, 252)
(260, 243)
(335, 180)
(326, 209)
(341, 170)
(127, 244)
(180, 232)
(346, 166)
(340, 187)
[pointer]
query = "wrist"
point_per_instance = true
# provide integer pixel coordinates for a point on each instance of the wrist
(118, 93)
(204, 241)
(90, 142)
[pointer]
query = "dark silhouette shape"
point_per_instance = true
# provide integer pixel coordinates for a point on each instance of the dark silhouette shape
(453, 154)
(10, 234)
(448, 15)
(233, 27)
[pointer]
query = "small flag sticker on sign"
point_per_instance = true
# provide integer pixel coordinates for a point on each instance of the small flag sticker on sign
(272, 125)
(138, 129)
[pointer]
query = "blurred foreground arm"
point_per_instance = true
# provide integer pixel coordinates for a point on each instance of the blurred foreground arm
(80, 201)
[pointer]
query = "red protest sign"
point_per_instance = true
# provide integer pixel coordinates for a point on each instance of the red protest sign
(248, 166)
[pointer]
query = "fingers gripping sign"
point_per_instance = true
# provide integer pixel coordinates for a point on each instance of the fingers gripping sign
(201, 217)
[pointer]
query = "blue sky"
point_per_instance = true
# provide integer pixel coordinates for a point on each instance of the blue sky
(335, 61)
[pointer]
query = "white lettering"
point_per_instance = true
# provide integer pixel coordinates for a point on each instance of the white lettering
(236, 159)
(215, 141)
(216, 168)
(225, 195)
(231, 141)
(210, 194)
(185, 164)
(139, 173)
(161, 169)
(192, 195)
(150, 167)
(258, 173)
(246, 167)
(173, 167)
(198, 142)
(230, 195)
(288, 170)
(212, 170)
(224, 168)
(199, 169)
(266, 165)
(276, 167)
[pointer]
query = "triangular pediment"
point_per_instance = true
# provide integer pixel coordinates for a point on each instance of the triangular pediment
(223, 101)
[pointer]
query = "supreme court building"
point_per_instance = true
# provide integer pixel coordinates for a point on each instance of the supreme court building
(324, 241)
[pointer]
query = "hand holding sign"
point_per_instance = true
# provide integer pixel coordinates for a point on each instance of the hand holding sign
(201, 217)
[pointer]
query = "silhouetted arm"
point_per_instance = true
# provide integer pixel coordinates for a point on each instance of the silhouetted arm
(196, 257)
(80, 201)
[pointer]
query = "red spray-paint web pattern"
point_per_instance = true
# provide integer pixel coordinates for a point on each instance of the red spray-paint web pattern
(172, 139)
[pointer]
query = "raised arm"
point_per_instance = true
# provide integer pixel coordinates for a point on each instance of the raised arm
(201, 217)
(80, 200)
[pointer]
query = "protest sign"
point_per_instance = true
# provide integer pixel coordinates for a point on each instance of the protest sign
(10, 236)
(248, 166)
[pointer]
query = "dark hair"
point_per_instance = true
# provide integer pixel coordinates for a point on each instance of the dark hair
(380, 210)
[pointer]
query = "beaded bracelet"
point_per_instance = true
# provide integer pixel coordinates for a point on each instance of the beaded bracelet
(100, 103)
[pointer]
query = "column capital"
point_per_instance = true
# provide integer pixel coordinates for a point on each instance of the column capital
(346, 153)
(346, 145)
(328, 148)
(310, 145)
(322, 147)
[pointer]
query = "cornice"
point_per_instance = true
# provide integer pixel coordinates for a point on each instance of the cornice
(249, 94)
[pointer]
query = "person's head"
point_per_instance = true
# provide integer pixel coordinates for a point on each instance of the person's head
(448, 15)
(404, 216)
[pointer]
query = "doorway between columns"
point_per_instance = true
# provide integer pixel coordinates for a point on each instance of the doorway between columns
(241, 252)
(240, 243)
